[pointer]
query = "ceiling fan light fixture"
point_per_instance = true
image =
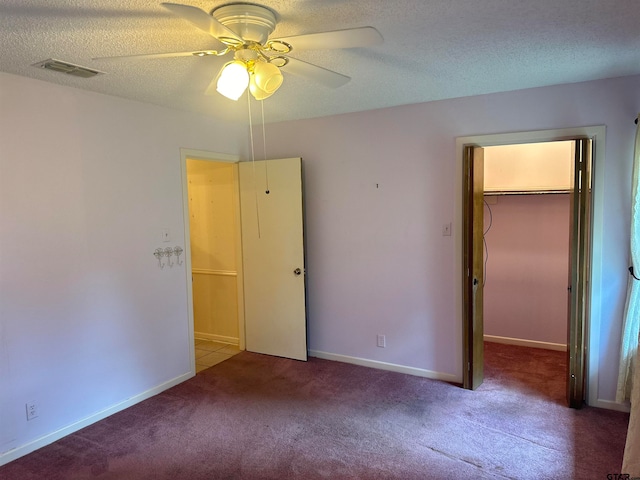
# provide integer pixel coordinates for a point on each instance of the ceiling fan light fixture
(233, 80)
(245, 29)
(267, 76)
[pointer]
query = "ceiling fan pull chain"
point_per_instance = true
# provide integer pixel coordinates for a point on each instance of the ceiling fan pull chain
(264, 147)
(253, 160)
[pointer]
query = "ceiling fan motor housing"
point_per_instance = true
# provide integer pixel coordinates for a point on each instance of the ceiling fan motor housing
(253, 23)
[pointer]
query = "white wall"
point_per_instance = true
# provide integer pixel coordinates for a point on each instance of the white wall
(528, 168)
(379, 187)
(87, 319)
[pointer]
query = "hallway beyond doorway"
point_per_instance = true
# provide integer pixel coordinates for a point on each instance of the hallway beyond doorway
(209, 353)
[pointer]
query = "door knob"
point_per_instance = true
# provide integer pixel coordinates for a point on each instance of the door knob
(297, 272)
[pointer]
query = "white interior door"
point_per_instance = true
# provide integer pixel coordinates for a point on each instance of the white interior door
(273, 257)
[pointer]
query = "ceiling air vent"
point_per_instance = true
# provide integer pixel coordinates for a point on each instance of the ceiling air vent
(68, 68)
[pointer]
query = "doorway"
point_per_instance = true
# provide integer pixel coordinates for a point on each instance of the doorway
(269, 252)
(214, 256)
(471, 297)
(526, 266)
(526, 244)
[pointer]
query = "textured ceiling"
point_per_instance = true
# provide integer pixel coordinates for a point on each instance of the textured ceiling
(433, 49)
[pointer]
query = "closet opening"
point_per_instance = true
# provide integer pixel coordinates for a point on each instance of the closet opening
(526, 264)
(527, 251)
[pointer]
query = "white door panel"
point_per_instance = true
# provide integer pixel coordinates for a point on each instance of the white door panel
(273, 257)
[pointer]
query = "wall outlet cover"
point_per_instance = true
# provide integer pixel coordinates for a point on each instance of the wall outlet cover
(32, 410)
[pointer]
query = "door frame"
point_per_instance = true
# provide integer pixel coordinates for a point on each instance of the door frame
(592, 327)
(185, 154)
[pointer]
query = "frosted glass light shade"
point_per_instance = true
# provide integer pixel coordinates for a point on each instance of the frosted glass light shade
(267, 77)
(256, 91)
(233, 80)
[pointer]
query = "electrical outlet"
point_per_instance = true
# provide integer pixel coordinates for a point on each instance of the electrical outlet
(32, 410)
(382, 341)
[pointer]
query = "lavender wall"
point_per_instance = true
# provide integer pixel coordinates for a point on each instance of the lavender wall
(88, 322)
(381, 184)
(525, 294)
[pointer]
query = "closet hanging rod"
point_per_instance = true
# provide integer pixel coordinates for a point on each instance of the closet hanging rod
(525, 192)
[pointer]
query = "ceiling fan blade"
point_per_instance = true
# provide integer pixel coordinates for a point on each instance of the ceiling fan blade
(204, 22)
(349, 38)
(144, 56)
(326, 77)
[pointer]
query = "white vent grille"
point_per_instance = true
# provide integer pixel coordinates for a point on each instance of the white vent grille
(68, 68)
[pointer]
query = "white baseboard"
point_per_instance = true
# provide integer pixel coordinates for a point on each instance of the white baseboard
(392, 367)
(215, 338)
(611, 405)
(22, 450)
(526, 343)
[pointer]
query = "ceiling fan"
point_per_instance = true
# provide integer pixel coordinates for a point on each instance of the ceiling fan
(243, 30)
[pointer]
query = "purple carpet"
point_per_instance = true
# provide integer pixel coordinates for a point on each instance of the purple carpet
(261, 417)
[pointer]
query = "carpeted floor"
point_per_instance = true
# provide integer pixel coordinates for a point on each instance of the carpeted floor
(260, 417)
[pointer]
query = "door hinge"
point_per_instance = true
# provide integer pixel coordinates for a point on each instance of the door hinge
(468, 366)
